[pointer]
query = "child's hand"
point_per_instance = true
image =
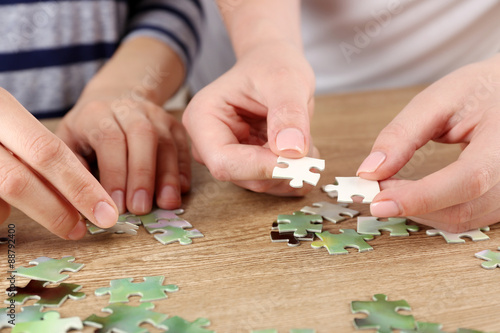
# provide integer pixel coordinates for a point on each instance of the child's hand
(256, 111)
(463, 107)
(141, 150)
(42, 177)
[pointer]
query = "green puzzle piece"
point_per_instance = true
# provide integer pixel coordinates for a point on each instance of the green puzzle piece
(426, 328)
(173, 234)
(452, 238)
(265, 331)
(151, 289)
(51, 323)
(50, 297)
(383, 315)
(300, 223)
(48, 269)
(28, 313)
(336, 243)
(302, 330)
(492, 257)
(126, 318)
(370, 225)
(179, 325)
(160, 214)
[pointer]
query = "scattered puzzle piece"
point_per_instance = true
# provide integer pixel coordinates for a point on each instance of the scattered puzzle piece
(119, 228)
(160, 214)
(48, 269)
(173, 234)
(352, 186)
(51, 323)
(451, 238)
(302, 330)
(161, 225)
(331, 212)
(300, 223)
(28, 313)
(130, 218)
(151, 289)
(466, 330)
(50, 297)
(425, 328)
(370, 225)
(492, 257)
(179, 325)
(382, 314)
(265, 331)
(288, 237)
(336, 243)
(126, 318)
(298, 170)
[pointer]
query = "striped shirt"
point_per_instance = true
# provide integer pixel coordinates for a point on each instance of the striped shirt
(49, 49)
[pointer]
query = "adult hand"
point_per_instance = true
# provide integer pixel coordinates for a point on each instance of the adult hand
(42, 177)
(463, 107)
(257, 110)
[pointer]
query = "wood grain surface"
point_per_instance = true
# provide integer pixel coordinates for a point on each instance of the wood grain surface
(241, 281)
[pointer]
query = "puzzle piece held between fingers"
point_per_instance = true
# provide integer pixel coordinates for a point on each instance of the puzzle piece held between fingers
(48, 269)
(492, 257)
(370, 225)
(119, 228)
(51, 323)
(151, 289)
(50, 297)
(352, 186)
(451, 238)
(331, 212)
(336, 243)
(298, 170)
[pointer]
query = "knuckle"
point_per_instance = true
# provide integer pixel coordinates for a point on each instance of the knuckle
(80, 193)
(112, 134)
(14, 179)
(144, 128)
(479, 182)
(46, 151)
(218, 168)
(61, 223)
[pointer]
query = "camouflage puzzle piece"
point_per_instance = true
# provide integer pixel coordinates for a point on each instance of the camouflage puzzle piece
(28, 313)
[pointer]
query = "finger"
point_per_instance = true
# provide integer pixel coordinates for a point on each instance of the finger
(142, 144)
(483, 221)
(70, 140)
(4, 211)
(274, 187)
(54, 161)
(183, 157)
(20, 187)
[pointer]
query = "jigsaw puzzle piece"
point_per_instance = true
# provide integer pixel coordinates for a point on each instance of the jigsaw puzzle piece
(331, 212)
(336, 243)
(352, 186)
(50, 297)
(466, 330)
(51, 323)
(126, 318)
(302, 330)
(300, 223)
(119, 228)
(271, 330)
(151, 289)
(382, 314)
(451, 238)
(370, 225)
(28, 313)
(425, 328)
(48, 269)
(160, 214)
(160, 225)
(288, 237)
(173, 234)
(298, 170)
(130, 218)
(492, 257)
(179, 325)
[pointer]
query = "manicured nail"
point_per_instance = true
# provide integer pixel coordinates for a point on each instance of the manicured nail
(78, 231)
(140, 201)
(105, 215)
(372, 162)
(386, 208)
(169, 194)
(119, 198)
(290, 139)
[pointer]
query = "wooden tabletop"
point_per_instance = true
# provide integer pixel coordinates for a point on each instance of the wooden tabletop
(240, 280)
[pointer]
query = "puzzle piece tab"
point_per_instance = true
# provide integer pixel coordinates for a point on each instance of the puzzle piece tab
(492, 257)
(451, 238)
(172, 234)
(288, 237)
(300, 223)
(352, 186)
(126, 318)
(382, 314)
(426, 328)
(48, 269)
(51, 323)
(370, 225)
(331, 212)
(151, 289)
(161, 225)
(50, 297)
(179, 325)
(160, 214)
(298, 170)
(336, 243)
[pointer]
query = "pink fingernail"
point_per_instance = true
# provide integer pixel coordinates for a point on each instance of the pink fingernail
(372, 162)
(385, 208)
(119, 199)
(105, 214)
(140, 202)
(290, 139)
(169, 194)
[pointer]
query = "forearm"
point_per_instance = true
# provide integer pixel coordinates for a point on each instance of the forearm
(142, 67)
(258, 22)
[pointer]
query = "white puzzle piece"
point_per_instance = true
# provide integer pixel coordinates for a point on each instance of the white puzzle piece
(331, 212)
(353, 186)
(298, 170)
(451, 238)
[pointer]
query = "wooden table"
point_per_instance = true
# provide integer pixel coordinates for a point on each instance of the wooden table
(241, 281)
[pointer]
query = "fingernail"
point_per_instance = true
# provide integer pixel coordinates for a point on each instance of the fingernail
(78, 231)
(386, 208)
(105, 215)
(170, 194)
(372, 162)
(119, 198)
(140, 201)
(290, 139)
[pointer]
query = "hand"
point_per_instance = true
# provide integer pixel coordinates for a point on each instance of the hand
(257, 110)
(463, 107)
(43, 178)
(140, 149)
